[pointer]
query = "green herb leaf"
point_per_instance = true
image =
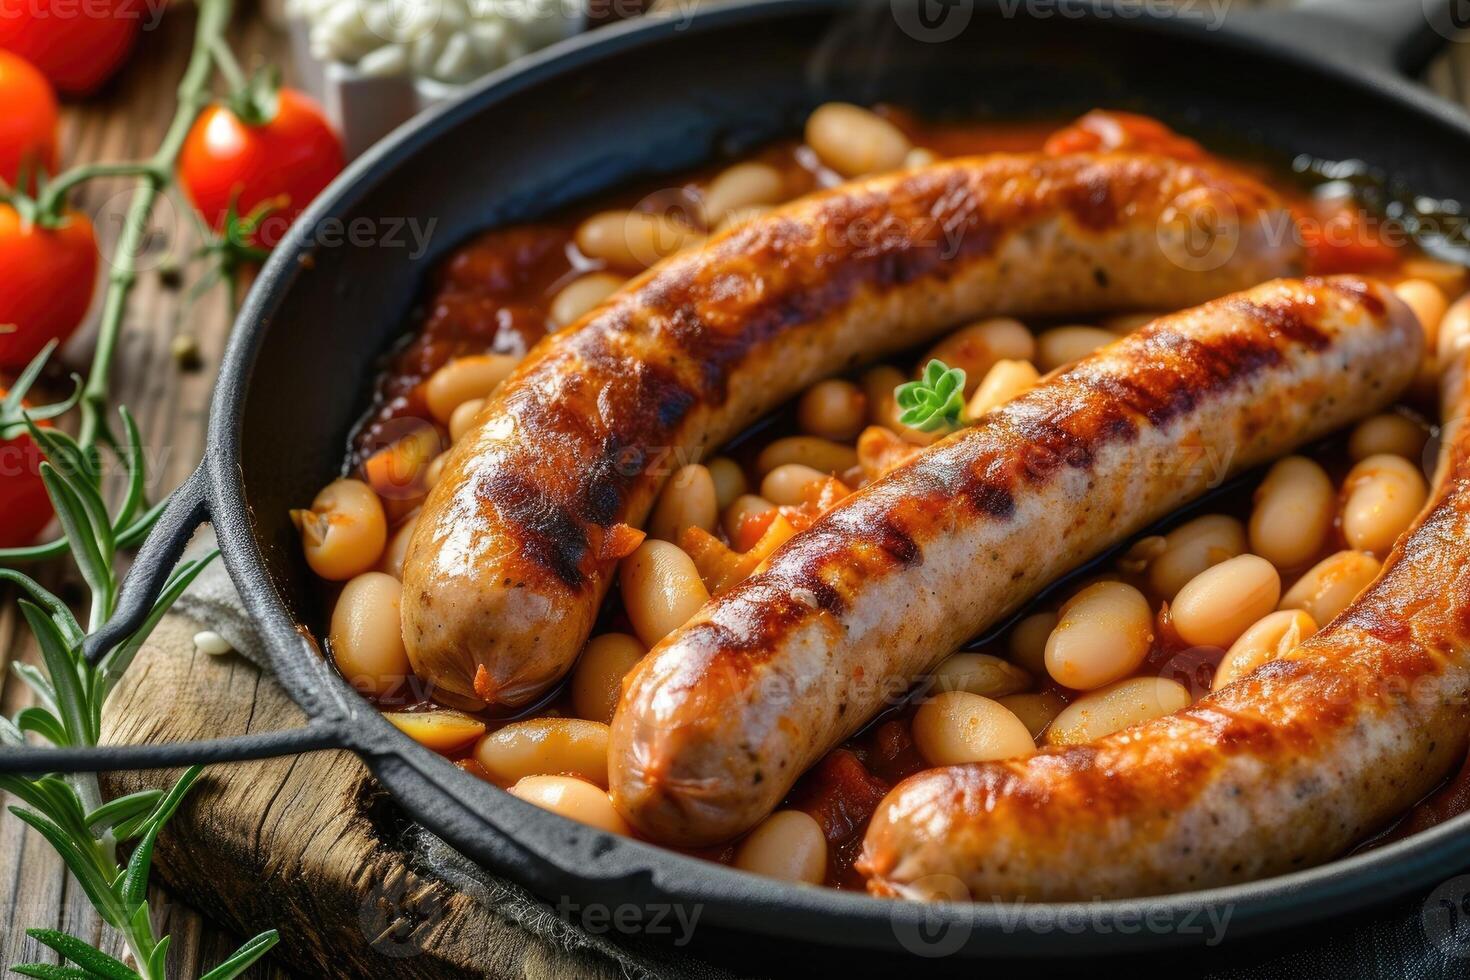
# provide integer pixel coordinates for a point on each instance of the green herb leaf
(123, 809)
(83, 954)
(61, 666)
(37, 719)
(46, 971)
(158, 959)
(135, 879)
(243, 957)
(936, 401)
(60, 614)
(82, 867)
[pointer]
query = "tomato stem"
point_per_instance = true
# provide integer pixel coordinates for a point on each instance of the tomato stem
(155, 175)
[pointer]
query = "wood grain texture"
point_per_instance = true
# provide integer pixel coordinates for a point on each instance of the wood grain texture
(306, 845)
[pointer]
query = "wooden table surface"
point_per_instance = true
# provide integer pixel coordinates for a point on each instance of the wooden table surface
(126, 122)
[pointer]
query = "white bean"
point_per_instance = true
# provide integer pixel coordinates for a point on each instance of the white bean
(1061, 346)
(980, 673)
(661, 589)
(633, 240)
(464, 378)
(688, 499)
(788, 845)
(543, 747)
(1191, 548)
(1103, 633)
(855, 141)
(1115, 707)
(1381, 497)
(598, 678)
(1331, 585)
(366, 637)
(742, 186)
(787, 484)
(1272, 636)
(1388, 433)
(1293, 513)
(1220, 603)
(958, 727)
(980, 346)
(575, 799)
(1003, 382)
(582, 296)
(729, 480)
(832, 409)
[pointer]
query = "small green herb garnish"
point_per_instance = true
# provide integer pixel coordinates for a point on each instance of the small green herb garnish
(935, 401)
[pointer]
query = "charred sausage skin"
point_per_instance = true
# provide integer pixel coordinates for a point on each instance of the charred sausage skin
(1288, 767)
(720, 718)
(517, 542)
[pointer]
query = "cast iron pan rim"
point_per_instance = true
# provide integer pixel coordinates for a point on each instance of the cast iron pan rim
(466, 810)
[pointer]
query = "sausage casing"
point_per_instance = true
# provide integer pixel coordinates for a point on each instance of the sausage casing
(517, 541)
(1288, 767)
(720, 718)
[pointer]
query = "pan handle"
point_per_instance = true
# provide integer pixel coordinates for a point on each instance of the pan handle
(1402, 35)
(186, 510)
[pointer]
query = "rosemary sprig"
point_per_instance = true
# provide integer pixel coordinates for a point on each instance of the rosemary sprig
(935, 401)
(70, 691)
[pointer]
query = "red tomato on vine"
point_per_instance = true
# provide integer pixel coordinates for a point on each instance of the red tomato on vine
(47, 275)
(23, 499)
(28, 120)
(78, 46)
(267, 152)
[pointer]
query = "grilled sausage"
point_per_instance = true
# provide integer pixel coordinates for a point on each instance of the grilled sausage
(720, 718)
(516, 544)
(1288, 767)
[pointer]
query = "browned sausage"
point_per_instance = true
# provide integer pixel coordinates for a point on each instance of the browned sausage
(1286, 768)
(515, 547)
(721, 717)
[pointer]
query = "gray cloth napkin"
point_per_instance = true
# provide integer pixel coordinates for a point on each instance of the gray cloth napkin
(1420, 938)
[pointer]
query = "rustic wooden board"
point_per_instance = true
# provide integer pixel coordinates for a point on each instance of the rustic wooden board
(296, 843)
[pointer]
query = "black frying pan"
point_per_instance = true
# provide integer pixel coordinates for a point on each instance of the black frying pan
(661, 95)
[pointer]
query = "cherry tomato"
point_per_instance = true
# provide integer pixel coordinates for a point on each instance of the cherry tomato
(289, 157)
(27, 120)
(1339, 237)
(1102, 130)
(46, 280)
(23, 500)
(78, 46)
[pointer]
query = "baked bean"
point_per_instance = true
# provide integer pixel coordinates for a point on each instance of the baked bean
(1191, 548)
(464, 378)
(366, 637)
(1428, 303)
(855, 141)
(1293, 512)
(1115, 707)
(788, 845)
(820, 454)
(1036, 711)
(392, 560)
(545, 747)
(1102, 633)
(1454, 329)
(1272, 636)
(1388, 433)
(1060, 346)
(575, 799)
(980, 346)
(441, 730)
(597, 681)
(633, 240)
(958, 727)
(832, 409)
(1448, 276)
(1027, 642)
(582, 296)
(980, 673)
(687, 500)
(1136, 559)
(878, 384)
(661, 589)
(344, 532)
(742, 186)
(1381, 497)
(729, 480)
(920, 156)
(745, 507)
(1331, 585)
(786, 485)
(1004, 381)
(1220, 603)
(462, 419)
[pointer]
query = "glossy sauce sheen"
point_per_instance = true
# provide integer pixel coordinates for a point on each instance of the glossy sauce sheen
(511, 557)
(1282, 770)
(717, 721)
